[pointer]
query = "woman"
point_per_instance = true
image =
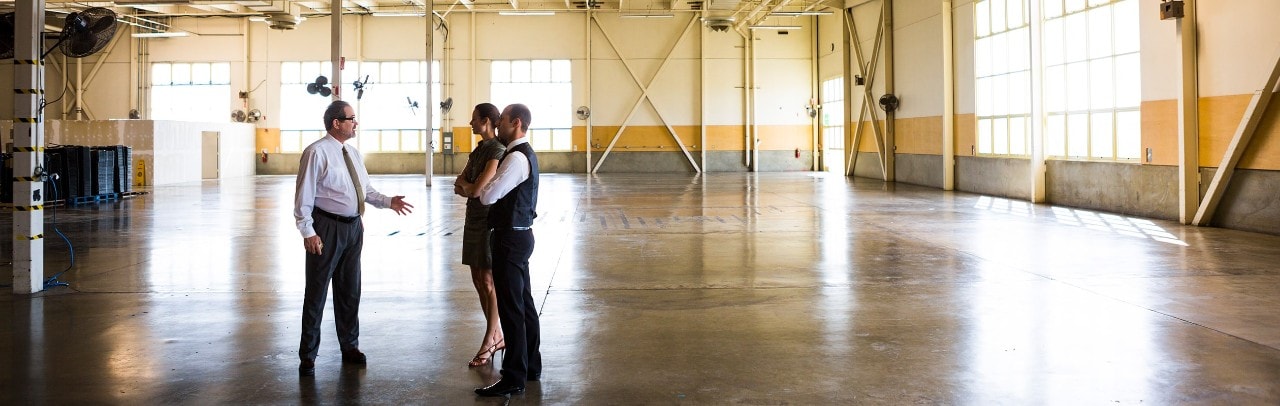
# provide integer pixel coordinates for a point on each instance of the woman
(481, 167)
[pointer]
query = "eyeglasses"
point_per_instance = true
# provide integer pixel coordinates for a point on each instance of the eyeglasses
(352, 118)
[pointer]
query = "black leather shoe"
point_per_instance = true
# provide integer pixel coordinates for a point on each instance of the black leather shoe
(307, 368)
(353, 356)
(535, 377)
(501, 388)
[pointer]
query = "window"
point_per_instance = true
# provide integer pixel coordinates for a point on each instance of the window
(1092, 88)
(832, 94)
(1002, 64)
(191, 91)
(389, 120)
(546, 87)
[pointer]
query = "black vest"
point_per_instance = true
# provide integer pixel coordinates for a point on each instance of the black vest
(519, 207)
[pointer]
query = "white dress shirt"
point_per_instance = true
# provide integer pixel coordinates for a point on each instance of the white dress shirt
(513, 170)
(325, 183)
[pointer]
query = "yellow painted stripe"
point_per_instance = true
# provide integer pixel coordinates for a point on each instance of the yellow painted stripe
(28, 91)
(30, 238)
(29, 208)
(26, 120)
(26, 179)
(28, 62)
(28, 149)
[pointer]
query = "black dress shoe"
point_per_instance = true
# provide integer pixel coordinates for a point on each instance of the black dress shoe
(353, 356)
(307, 368)
(501, 388)
(535, 377)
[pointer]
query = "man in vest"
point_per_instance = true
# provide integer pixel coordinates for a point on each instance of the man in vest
(513, 194)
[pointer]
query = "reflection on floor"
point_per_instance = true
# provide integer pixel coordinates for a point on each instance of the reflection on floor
(801, 288)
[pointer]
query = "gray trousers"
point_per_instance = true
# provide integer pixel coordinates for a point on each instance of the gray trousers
(339, 261)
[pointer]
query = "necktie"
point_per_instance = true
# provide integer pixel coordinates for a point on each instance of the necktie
(355, 180)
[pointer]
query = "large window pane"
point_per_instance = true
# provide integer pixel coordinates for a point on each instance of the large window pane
(1020, 93)
(161, 74)
(200, 74)
(1020, 49)
(1000, 95)
(1055, 135)
(1055, 97)
(1128, 135)
(181, 73)
(1000, 53)
(1101, 89)
(1100, 32)
(1101, 136)
(1128, 81)
(1018, 136)
(534, 84)
(1074, 5)
(1000, 136)
(1015, 13)
(520, 72)
(290, 72)
(1126, 29)
(981, 58)
(984, 136)
(1078, 135)
(541, 71)
(982, 18)
(1074, 30)
(998, 15)
(1052, 40)
(1077, 86)
(984, 102)
(1052, 8)
(409, 72)
(500, 72)
(390, 73)
(220, 74)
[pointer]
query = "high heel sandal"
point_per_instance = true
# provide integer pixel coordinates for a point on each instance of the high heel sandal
(485, 356)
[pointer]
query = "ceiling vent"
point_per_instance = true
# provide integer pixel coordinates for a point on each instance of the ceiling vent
(718, 24)
(283, 21)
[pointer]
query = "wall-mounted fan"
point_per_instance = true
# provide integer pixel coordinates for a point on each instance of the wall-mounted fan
(320, 86)
(446, 105)
(413, 105)
(238, 116)
(85, 32)
(254, 115)
(583, 112)
(6, 35)
(359, 86)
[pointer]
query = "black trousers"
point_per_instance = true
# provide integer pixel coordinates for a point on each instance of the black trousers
(338, 261)
(516, 309)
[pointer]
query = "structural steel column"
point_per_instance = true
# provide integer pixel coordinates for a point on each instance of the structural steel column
(28, 149)
(429, 105)
(1188, 118)
(948, 100)
(1038, 169)
(890, 144)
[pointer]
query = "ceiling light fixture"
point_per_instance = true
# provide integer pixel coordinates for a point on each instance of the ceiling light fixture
(397, 14)
(667, 15)
(527, 13)
(775, 27)
(799, 13)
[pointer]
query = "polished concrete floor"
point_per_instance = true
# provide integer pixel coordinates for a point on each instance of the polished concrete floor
(795, 288)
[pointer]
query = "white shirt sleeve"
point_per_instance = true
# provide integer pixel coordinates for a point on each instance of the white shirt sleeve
(304, 196)
(513, 171)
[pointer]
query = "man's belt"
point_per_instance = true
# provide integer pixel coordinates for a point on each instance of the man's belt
(342, 219)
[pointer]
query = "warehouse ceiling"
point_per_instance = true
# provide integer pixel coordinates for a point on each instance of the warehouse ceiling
(739, 10)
